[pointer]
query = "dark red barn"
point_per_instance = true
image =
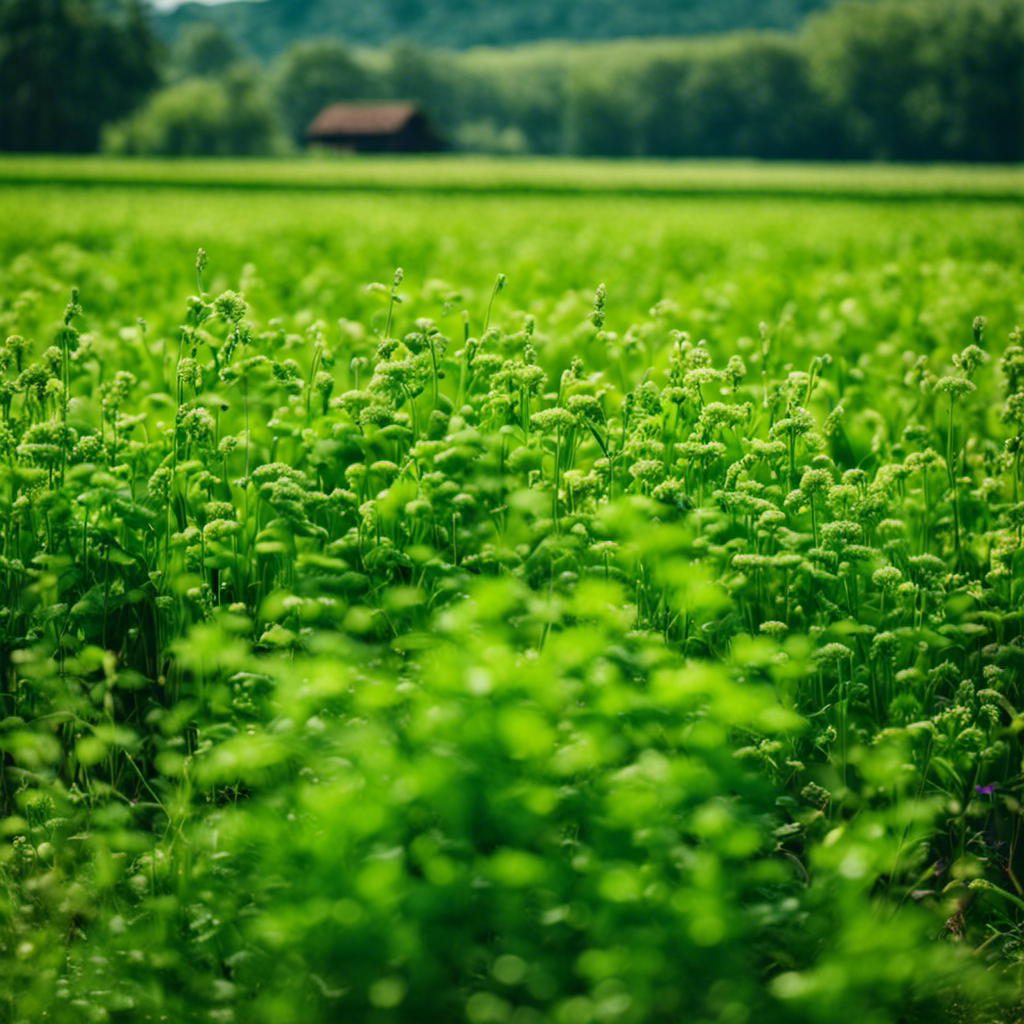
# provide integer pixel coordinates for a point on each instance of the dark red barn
(373, 128)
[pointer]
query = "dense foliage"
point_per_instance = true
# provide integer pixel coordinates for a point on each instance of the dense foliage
(905, 79)
(266, 29)
(379, 651)
(925, 81)
(228, 115)
(69, 66)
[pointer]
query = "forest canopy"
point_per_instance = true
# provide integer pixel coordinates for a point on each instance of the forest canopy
(69, 66)
(906, 80)
(267, 28)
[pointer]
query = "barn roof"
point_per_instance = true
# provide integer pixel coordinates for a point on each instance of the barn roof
(361, 119)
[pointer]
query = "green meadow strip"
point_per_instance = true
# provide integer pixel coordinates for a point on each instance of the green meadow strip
(547, 175)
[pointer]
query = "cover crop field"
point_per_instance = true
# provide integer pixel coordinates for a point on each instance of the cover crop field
(612, 617)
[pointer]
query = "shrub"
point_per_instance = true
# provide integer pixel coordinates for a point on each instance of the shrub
(231, 116)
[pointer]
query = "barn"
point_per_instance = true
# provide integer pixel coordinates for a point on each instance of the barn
(373, 128)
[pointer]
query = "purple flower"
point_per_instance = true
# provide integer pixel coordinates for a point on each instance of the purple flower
(987, 790)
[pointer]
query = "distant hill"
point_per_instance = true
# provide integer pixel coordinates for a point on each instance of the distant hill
(265, 28)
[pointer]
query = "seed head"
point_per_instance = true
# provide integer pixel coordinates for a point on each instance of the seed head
(970, 359)
(230, 307)
(816, 481)
(832, 654)
(596, 316)
(955, 387)
(73, 308)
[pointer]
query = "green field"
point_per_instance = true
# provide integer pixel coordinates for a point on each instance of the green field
(613, 616)
(480, 174)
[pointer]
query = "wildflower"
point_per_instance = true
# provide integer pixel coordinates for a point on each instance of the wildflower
(230, 307)
(1013, 410)
(220, 510)
(646, 469)
(548, 421)
(885, 645)
(596, 316)
(8, 442)
(767, 450)
(1011, 364)
(832, 654)
(771, 520)
(955, 387)
(702, 452)
(735, 371)
(34, 380)
(585, 407)
(834, 420)
(198, 426)
(929, 566)
(887, 578)
(673, 492)
(17, 347)
(190, 374)
(840, 533)
(377, 415)
(815, 481)
(750, 562)
(221, 530)
(969, 360)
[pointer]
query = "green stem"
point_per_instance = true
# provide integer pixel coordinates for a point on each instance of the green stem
(498, 285)
(924, 513)
(792, 457)
(433, 361)
(952, 482)
(554, 497)
(987, 886)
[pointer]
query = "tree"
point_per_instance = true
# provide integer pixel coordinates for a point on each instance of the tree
(420, 75)
(66, 67)
(227, 116)
(755, 98)
(605, 111)
(204, 50)
(312, 74)
(925, 79)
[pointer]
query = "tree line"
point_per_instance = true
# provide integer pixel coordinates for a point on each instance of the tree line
(866, 79)
(267, 28)
(67, 67)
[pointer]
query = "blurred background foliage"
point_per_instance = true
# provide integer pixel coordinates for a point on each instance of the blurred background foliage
(910, 80)
(69, 66)
(267, 27)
